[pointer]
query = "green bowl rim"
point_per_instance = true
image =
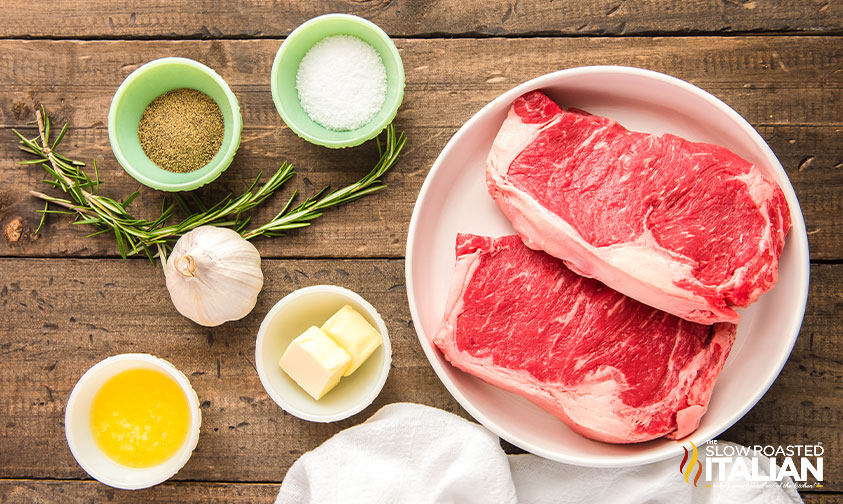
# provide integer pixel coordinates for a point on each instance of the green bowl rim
(231, 148)
(366, 134)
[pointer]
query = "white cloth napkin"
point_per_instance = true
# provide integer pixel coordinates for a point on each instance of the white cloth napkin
(409, 453)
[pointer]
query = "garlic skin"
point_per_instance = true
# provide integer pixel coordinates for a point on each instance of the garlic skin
(214, 275)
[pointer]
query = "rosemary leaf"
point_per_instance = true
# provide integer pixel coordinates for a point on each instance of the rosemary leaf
(120, 245)
(43, 216)
(58, 138)
(155, 238)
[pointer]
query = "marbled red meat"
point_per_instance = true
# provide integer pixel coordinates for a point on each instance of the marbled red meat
(689, 228)
(611, 368)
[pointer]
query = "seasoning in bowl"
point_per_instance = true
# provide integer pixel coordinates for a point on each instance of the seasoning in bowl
(341, 82)
(140, 418)
(182, 130)
(320, 357)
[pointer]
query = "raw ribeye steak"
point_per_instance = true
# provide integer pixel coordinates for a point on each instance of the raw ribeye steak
(611, 368)
(689, 228)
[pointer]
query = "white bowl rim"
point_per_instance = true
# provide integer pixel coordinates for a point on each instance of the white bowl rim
(382, 376)
(185, 451)
(797, 237)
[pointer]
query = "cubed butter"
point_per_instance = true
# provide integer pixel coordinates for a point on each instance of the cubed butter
(354, 334)
(315, 362)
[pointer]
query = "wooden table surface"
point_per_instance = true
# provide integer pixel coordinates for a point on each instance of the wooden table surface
(69, 301)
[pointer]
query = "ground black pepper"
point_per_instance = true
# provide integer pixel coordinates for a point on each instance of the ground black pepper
(181, 130)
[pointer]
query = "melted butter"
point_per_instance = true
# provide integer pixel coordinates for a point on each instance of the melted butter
(140, 417)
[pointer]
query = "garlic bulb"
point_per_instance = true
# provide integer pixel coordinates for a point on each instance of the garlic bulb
(214, 275)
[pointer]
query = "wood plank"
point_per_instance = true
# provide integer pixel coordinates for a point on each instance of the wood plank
(821, 498)
(805, 405)
(377, 225)
(52, 330)
(59, 321)
(258, 18)
(759, 76)
(48, 492)
(788, 87)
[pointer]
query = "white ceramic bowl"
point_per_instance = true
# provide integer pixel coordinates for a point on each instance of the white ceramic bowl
(289, 318)
(454, 199)
(77, 424)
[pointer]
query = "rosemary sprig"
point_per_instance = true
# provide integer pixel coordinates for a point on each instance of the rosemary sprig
(156, 237)
(311, 208)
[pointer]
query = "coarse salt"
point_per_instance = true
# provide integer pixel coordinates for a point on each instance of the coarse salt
(341, 82)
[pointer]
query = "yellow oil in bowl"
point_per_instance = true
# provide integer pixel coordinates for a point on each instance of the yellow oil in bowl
(140, 418)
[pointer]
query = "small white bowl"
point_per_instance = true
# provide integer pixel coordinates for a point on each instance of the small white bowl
(312, 306)
(77, 424)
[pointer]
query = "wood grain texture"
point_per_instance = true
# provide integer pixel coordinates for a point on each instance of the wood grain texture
(92, 492)
(789, 88)
(821, 498)
(63, 315)
(406, 18)
(60, 316)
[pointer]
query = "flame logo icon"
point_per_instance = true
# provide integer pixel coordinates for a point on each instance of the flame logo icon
(687, 470)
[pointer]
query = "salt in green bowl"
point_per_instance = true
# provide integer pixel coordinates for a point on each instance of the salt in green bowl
(286, 65)
(137, 92)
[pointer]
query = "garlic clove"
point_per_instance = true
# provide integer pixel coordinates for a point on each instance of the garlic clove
(214, 276)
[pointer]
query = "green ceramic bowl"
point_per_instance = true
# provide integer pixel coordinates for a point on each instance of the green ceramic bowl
(137, 92)
(286, 66)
